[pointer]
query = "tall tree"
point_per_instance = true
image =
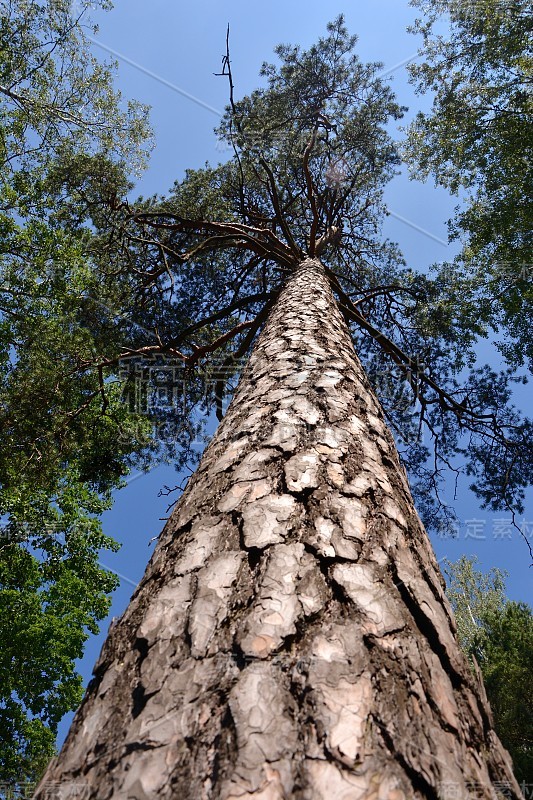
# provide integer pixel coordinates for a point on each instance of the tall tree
(61, 453)
(291, 636)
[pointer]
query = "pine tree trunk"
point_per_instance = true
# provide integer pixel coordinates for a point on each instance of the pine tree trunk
(291, 637)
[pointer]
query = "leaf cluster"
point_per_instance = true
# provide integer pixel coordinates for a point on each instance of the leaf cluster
(477, 140)
(66, 145)
(497, 634)
(56, 94)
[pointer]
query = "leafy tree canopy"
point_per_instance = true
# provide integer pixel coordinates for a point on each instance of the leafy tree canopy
(498, 634)
(310, 157)
(478, 139)
(57, 97)
(65, 443)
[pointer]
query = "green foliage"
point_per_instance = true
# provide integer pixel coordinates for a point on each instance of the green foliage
(498, 633)
(47, 604)
(56, 95)
(477, 139)
(67, 439)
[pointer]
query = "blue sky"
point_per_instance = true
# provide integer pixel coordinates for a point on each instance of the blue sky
(168, 53)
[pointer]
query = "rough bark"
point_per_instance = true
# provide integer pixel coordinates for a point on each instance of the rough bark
(291, 637)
